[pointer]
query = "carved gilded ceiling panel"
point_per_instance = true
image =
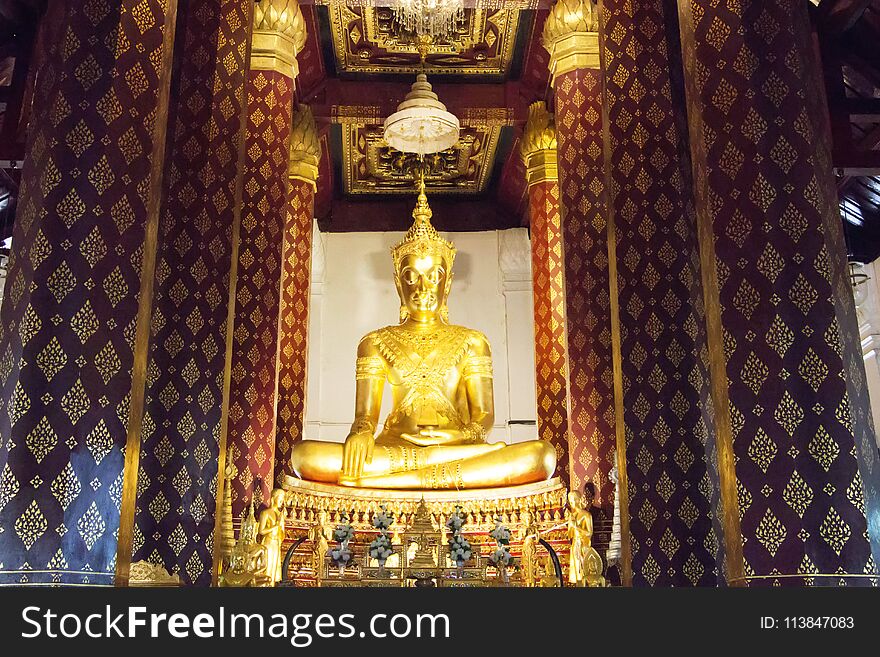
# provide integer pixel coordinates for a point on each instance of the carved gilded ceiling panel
(368, 40)
(372, 167)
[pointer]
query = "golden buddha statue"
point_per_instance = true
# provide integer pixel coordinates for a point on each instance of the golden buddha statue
(440, 377)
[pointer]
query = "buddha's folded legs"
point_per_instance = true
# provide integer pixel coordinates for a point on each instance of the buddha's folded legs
(510, 465)
(316, 460)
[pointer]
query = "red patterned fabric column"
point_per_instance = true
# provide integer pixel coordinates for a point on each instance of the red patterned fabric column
(787, 343)
(182, 425)
(571, 36)
(673, 489)
(278, 34)
(83, 248)
(538, 147)
(296, 283)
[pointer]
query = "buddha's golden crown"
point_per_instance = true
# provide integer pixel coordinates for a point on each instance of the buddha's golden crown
(422, 238)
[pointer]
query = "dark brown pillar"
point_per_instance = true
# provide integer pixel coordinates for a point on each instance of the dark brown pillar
(184, 419)
(73, 342)
(785, 349)
(665, 401)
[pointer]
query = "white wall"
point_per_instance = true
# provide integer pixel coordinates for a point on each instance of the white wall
(353, 293)
(867, 298)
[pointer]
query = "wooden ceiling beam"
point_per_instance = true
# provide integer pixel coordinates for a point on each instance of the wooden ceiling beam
(856, 162)
(450, 214)
(836, 17)
(337, 101)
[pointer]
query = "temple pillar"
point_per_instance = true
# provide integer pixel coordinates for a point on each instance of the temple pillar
(669, 485)
(187, 387)
(88, 276)
(279, 33)
(786, 363)
(571, 36)
(538, 148)
(296, 279)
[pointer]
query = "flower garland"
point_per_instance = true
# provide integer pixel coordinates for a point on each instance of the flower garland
(343, 534)
(501, 557)
(459, 548)
(380, 548)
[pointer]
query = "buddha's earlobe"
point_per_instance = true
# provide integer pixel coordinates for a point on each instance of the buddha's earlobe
(404, 313)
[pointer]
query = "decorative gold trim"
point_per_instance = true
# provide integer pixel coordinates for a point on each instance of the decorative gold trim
(304, 171)
(148, 575)
(128, 504)
(305, 149)
(616, 356)
(230, 325)
(273, 51)
(573, 51)
(538, 146)
(542, 166)
(278, 34)
(531, 495)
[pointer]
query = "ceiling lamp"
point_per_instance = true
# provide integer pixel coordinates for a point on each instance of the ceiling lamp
(421, 123)
(438, 19)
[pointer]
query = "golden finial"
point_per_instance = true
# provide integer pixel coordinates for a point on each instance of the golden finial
(538, 144)
(422, 238)
(284, 16)
(305, 151)
(279, 35)
(570, 16)
(571, 36)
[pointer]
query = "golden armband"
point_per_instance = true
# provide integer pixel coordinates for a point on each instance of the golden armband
(370, 367)
(478, 366)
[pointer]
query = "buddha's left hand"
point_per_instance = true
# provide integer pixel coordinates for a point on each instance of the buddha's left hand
(429, 437)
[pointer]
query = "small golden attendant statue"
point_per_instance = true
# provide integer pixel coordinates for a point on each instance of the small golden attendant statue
(271, 535)
(585, 564)
(529, 556)
(440, 377)
(318, 537)
(247, 566)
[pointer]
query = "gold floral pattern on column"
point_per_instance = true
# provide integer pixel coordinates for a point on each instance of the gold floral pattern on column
(538, 149)
(293, 325)
(669, 429)
(176, 503)
(804, 455)
(68, 320)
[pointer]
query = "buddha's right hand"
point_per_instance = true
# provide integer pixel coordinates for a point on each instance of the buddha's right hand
(357, 451)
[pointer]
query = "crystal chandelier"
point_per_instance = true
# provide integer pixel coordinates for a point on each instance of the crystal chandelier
(421, 124)
(437, 19)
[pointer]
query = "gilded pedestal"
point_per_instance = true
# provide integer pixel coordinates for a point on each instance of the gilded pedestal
(306, 501)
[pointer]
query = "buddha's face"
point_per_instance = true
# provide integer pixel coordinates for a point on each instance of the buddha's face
(423, 285)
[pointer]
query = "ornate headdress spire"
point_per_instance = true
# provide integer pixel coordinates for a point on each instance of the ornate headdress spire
(422, 238)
